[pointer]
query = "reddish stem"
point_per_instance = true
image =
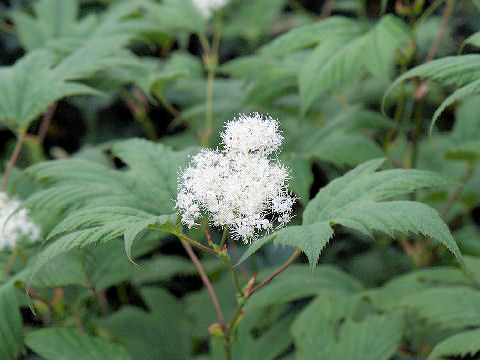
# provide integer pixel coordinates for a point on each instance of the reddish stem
(47, 117)
(207, 283)
(278, 271)
(13, 159)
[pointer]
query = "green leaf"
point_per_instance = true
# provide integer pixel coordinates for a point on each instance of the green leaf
(177, 15)
(335, 61)
(310, 238)
(148, 184)
(462, 345)
(335, 27)
(11, 330)
(383, 40)
(70, 344)
(100, 224)
(451, 308)
(329, 64)
(473, 40)
(375, 338)
(33, 83)
(402, 216)
(468, 90)
(462, 71)
(326, 330)
(53, 19)
(291, 285)
(302, 178)
(352, 200)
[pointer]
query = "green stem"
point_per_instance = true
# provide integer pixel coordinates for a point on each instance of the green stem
(426, 14)
(224, 237)
(182, 236)
(234, 276)
(238, 312)
(398, 110)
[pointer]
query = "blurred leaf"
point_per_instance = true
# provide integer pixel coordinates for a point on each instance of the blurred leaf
(11, 332)
(375, 337)
(301, 175)
(334, 28)
(291, 285)
(53, 19)
(462, 344)
(461, 71)
(70, 344)
(451, 308)
(33, 83)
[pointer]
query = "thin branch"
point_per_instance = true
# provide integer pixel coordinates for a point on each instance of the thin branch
(13, 159)
(47, 117)
(194, 243)
(277, 272)
(454, 197)
(327, 9)
(207, 283)
(438, 39)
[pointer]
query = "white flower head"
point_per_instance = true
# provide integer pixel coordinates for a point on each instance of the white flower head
(207, 7)
(15, 226)
(238, 187)
(252, 132)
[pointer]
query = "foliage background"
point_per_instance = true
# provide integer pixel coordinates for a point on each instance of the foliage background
(326, 70)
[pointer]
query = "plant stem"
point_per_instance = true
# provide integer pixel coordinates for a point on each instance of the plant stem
(234, 276)
(172, 110)
(224, 237)
(438, 39)
(210, 58)
(207, 283)
(184, 237)
(13, 159)
(10, 261)
(398, 110)
(426, 14)
(238, 312)
(47, 117)
(327, 9)
(454, 197)
(277, 272)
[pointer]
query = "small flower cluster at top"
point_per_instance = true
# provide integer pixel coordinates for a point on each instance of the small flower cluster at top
(207, 7)
(15, 226)
(238, 187)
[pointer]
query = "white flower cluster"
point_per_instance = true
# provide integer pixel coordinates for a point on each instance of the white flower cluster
(239, 186)
(207, 7)
(16, 227)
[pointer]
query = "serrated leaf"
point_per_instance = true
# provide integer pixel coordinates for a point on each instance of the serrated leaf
(148, 184)
(53, 19)
(352, 200)
(70, 344)
(462, 71)
(328, 64)
(462, 344)
(468, 90)
(402, 216)
(388, 35)
(451, 308)
(334, 27)
(33, 82)
(310, 238)
(325, 330)
(99, 224)
(11, 329)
